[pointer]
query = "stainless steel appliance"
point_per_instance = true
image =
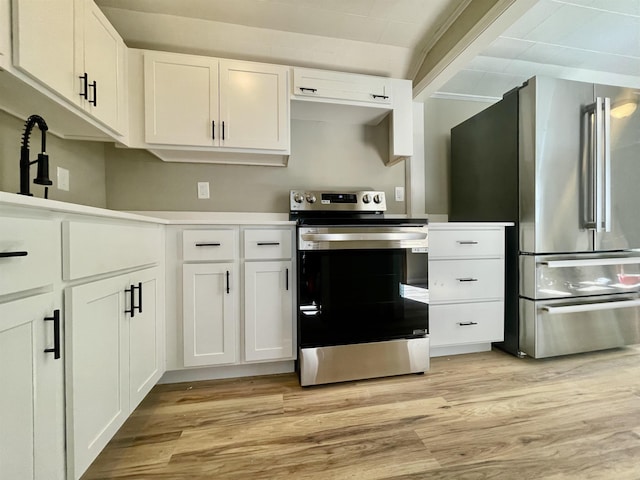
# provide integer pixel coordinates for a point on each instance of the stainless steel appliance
(362, 288)
(561, 159)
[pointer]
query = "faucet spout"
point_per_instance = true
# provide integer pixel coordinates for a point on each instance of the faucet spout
(42, 177)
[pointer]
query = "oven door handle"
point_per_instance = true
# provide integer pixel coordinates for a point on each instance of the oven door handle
(590, 307)
(359, 237)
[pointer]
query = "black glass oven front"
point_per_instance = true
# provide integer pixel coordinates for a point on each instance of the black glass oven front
(359, 296)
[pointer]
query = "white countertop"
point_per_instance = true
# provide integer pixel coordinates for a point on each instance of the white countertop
(220, 218)
(463, 225)
(13, 200)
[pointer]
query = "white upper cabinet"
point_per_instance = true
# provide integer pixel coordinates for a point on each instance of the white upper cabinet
(71, 48)
(181, 99)
(101, 57)
(193, 101)
(312, 83)
(44, 36)
(253, 105)
(5, 32)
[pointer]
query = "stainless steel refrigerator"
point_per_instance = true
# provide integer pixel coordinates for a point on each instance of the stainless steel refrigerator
(560, 159)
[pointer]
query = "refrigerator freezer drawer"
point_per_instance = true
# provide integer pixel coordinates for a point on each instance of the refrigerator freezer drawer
(561, 327)
(550, 276)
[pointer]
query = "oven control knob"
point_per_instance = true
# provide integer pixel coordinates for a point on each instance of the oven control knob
(298, 198)
(378, 198)
(366, 198)
(311, 198)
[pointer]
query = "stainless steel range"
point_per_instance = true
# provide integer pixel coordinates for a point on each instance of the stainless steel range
(362, 288)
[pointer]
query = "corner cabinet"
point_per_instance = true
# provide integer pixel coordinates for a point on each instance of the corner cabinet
(193, 101)
(466, 287)
(70, 47)
(114, 330)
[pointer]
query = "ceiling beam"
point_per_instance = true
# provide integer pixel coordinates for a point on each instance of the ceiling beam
(481, 22)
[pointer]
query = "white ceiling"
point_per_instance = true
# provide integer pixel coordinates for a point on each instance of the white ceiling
(597, 40)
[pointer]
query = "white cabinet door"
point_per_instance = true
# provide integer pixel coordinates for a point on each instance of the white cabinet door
(181, 99)
(102, 59)
(146, 359)
(97, 368)
(268, 307)
(43, 44)
(32, 394)
(210, 319)
(254, 105)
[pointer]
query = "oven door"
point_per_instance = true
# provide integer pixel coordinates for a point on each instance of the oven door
(360, 295)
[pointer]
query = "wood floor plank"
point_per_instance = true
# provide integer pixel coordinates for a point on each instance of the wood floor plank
(479, 416)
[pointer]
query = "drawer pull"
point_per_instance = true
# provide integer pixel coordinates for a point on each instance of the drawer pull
(467, 324)
(467, 279)
(208, 244)
(384, 97)
(305, 89)
(273, 244)
(56, 334)
(13, 254)
(467, 242)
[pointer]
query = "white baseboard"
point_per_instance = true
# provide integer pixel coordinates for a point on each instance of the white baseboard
(232, 371)
(459, 349)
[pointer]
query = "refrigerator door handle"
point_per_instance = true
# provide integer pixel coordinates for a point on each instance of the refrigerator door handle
(590, 307)
(606, 184)
(599, 165)
(591, 262)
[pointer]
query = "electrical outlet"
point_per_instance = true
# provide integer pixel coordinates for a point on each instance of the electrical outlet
(203, 190)
(63, 179)
(399, 194)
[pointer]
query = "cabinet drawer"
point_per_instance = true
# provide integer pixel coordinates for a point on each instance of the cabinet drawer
(458, 243)
(465, 323)
(95, 248)
(209, 245)
(29, 253)
(267, 244)
(466, 280)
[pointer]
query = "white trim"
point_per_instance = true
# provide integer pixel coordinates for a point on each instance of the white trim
(465, 97)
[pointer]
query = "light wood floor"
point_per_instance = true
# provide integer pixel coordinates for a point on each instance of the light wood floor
(478, 416)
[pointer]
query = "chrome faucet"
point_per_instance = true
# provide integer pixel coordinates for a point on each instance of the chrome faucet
(42, 176)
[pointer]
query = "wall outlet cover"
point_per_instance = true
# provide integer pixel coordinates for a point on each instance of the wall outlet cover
(399, 194)
(203, 190)
(63, 179)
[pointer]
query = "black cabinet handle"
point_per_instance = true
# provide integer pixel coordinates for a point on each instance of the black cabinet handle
(56, 334)
(84, 93)
(287, 279)
(131, 291)
(262, 244)
(208, 244)
(467, 242)
(467, 324)
(384, 97)
(213, 129)
(305, 89)
(467, 279)
(13, 254)
(227, 281)
(139, 297)
(223, 130)
(94, 85)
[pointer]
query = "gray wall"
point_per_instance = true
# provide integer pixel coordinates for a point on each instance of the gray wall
(323, 156)
(84, 160)
(440, 116)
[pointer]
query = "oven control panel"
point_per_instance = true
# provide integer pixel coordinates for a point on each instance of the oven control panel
(360, 201)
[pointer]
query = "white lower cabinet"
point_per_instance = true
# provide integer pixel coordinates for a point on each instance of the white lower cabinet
(32, 442)
(268, 301)
(210, 317)
(237, 295)
(114, 358)
(466, 287)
